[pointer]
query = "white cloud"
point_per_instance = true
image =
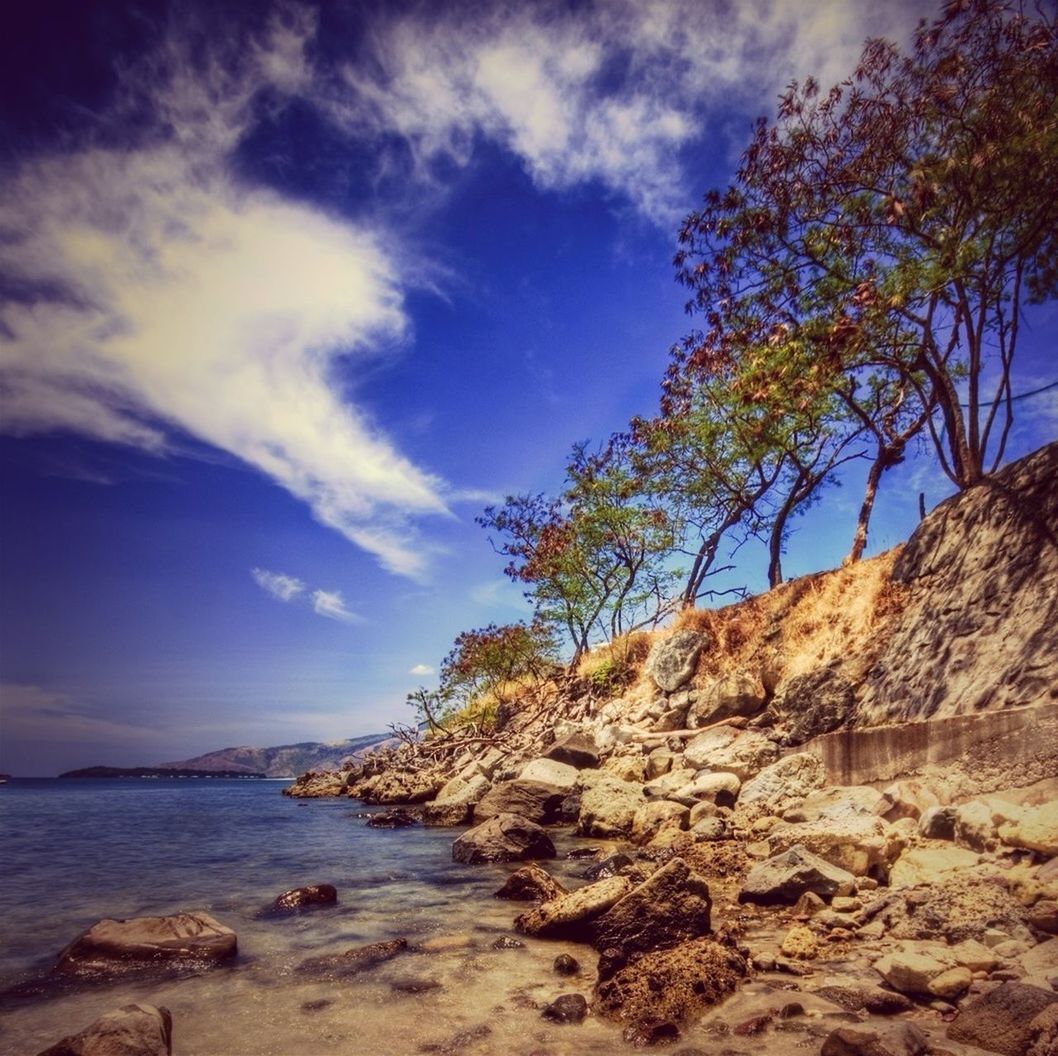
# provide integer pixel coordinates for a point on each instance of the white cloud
(278, 584)
(192, 303)
(422, 670)
(329, 603)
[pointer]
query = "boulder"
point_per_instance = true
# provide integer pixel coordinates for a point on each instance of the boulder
(317, 784)
(719, 788)
(392, 819)
(924, 969)
(534, 800)
(925, 865)
(665, 786)
(840, 802)
(1001, 1019)
(814, 703)
(568, 915)
(1043, 1031)
(1036, 830)
(442, 814)
(353, 961)
(779, 787)
(784, 878)
(306, 898)
(530, 883)
(974, 827)
(671, 906)
(402, 786)
(503, 838)
(612, 865)
(111, 947)
(854, 997)
(607, 807)
(466, 790)
(625, 768)
(799, 943)
(889, 1039)
(656, 815)
(859, 843)
(567, 1008)
(733, 694)
(577, 749)
(743, 753)
(669, 987)
(660, 761)
(550, 772)
(937, 823)
(132, 1030)
(1042, 960)
(672, 660)
(909, 798)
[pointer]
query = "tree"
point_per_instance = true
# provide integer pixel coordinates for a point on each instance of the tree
(882, 238)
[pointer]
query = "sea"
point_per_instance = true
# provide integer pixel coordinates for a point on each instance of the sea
(75, 851)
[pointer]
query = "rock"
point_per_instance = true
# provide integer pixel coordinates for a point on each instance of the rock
(132, 1030)
(399, 786)
(925, 865)
(1036, 830)
(626, 768)
(785, 877)
(666, 786)
(814, 703)
(1044, 916)
(564, 964)
(462, 790)
(672, 660)
(1001, 1019)
(671, 906)
(924, 969)
(534, 800)
(660, 761)
(839, 803)
(974, 827)
(568, 915)
(113, 946)
(1043, 1032)
(505, 942)
(578, 750)
(650, 818)
(607, 807)
(392, 819)
(530, 883)
(807, 906)
(743, 753)
(306, 898)
(733, 694)
(352, 961)
(317, 784)
(550, 772)
(568, 1008)
(855, 996)
(446, 814)
(892, 1039)
(858, 843)
(779, 786)
(799, 943)
(909, 799)
(610, 866)
(937, 823)
(1042, 960)
(721, 789)
(503, 838)
(663, 989)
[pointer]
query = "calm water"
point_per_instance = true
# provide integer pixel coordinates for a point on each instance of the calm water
(76, 851)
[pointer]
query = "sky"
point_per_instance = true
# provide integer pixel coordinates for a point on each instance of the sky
(289, 292)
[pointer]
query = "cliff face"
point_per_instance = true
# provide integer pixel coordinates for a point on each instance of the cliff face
(979, 624)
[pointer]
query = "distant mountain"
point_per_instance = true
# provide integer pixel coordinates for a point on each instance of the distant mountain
(153, 771)
(285, 760)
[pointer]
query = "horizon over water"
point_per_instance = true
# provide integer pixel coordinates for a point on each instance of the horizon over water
(78, 850)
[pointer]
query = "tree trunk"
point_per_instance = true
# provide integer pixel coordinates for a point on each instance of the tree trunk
(874, 475)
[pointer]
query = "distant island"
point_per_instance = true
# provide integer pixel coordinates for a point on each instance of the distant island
(154, 771)
(284, 760)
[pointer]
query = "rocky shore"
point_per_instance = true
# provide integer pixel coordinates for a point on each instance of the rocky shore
(827, 818)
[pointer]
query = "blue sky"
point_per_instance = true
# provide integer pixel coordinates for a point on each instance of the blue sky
(291, 291)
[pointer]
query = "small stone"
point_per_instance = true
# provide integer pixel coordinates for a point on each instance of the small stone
(568, 1008)
(508, 943)
(800, 943)
(564, 964)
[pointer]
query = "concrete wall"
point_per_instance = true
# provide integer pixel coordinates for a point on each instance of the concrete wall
(964, 755)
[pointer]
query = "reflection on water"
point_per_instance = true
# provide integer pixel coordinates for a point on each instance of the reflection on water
(76, 851)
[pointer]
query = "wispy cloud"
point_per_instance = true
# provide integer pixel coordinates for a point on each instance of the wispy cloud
(278, 584)
(330, 603)
(421, 670)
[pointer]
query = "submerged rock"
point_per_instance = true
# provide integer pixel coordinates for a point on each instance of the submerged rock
(564, 964)
(503, 838)
(111, 947)
(892, 1039)
(567, 1008)
(309, 897)
(530, 883)
(392, 819)
(352, 961)
(132, 1030)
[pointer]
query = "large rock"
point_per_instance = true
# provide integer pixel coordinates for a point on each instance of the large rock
(306, 898)
(534, 800)
(405, 786)
(1001, 1019)
(671, 906)
(567, 916)
(733, 694)
(1042, 960)
(530, 883)
(926, 969)
(550, 772)
(720, 788)
(1044, 1033)
(111, 947)
(889, 1039)
(780, 786)
(667, 988)
(840, 802)
(132, 1030)
(859, 843)
(503, 838)
(317, 784)
(784, 878)
(743, 753)
(813, 703)
(927, 865)
(577, 749)
(672, 661)
(608, 806)
(465, 790)
(1036, 830)
(654, 816)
